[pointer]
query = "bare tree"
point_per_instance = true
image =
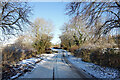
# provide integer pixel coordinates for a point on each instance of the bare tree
(106, 12)
(42, 26)
(13, 17)
(42, 30)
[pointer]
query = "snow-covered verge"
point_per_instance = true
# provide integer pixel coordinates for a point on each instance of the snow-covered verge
(24, 66)
(93, 69)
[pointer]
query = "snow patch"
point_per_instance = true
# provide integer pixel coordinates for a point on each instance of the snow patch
(93, 69)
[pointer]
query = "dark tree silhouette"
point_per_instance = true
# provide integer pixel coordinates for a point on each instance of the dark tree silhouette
(94, 12)
(14, 16)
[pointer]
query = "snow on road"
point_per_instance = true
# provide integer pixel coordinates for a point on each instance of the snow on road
(63, 70)
(43, 69)
(53, 64)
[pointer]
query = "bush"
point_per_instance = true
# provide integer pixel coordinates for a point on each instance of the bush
(105, 57)
(73, 48)
(83, 53)
(96, 56)
(108, 58)
(11, 55)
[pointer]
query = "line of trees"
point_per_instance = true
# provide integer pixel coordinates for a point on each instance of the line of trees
(90, 22)
(35, 36)
(74, 33)
(89, 34)
(14, 17)
(29, 45)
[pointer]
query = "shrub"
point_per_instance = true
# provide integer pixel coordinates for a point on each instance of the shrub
(105, 57)
(109, 58)
(83, 53)
(11, 55)
(73, 48)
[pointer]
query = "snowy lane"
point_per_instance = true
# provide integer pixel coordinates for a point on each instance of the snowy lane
(64, 65)
(63, 70)
(43, 69)
(54, 67)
